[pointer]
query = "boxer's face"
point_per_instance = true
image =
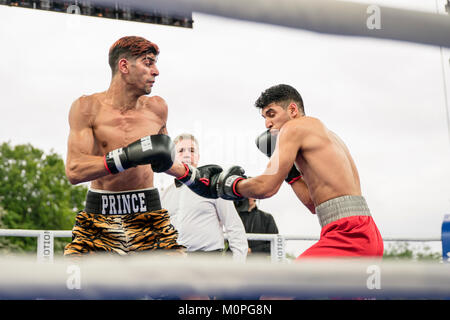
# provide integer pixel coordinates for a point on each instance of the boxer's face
(275, 116)
(187, 152)
(143, 72)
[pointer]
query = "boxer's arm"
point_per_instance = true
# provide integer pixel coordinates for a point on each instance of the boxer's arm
(177, 169)
(266, 185)
(163, 113)
(302, 192)
(81, 165)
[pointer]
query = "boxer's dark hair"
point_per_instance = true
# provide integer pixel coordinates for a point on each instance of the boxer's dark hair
(281, 94)
(130, 47)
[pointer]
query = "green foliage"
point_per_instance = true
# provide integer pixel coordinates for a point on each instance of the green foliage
(404, 251)
(35, 194)
(290, 256)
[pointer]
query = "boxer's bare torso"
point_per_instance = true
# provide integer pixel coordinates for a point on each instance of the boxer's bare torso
(326, 180)
(327, 167)
(325, 162)
(97, 126)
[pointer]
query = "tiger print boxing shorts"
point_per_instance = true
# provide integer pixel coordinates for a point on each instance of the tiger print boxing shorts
(122, 223)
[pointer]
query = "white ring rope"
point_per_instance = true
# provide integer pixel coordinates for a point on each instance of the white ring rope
(100, 277)
(324, 16)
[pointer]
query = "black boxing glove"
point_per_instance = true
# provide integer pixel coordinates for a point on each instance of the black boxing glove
(202, 180)
(266, 143)
(227, 182)
(157, 150)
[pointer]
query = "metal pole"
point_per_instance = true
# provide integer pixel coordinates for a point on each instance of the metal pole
(278, 248)
(45, 246)
(45, 249)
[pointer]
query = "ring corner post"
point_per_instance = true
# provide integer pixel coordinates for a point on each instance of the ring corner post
(445, 238)
(45, 246)
(278, 248)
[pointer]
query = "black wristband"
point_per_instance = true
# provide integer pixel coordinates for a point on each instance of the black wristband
(116, 161)
(293, 175)
(189, 176)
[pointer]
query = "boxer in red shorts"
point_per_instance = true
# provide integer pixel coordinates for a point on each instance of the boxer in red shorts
(320, 170)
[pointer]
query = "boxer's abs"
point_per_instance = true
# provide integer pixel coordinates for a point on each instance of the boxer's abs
(330, 171)
(140, 177)
(114, 129)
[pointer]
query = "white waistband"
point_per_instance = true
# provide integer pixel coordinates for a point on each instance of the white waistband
(341, 207)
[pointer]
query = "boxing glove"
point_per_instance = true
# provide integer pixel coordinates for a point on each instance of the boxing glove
(227, 182)
(202, 180)
(266, 143)
(156, 150)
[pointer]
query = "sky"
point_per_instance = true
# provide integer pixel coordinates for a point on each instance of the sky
(385, 99)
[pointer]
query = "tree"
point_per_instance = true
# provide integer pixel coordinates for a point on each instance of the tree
(404, 251)
(35, 194)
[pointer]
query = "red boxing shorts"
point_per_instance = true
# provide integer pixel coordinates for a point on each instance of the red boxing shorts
(348, 230)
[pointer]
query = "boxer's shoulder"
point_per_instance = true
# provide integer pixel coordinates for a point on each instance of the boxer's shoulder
(308, 122)
(91, 103)
(153, 102)
(86, 106)
(302, 126)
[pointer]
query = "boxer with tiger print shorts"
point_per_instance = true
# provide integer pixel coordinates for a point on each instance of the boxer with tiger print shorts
(118, 139)
(122, 223)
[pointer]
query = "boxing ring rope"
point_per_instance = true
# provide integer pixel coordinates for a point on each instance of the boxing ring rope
(323, 16)
(45, 241)
(151, 275)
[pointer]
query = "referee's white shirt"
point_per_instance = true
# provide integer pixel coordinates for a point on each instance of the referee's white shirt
(201, 221)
